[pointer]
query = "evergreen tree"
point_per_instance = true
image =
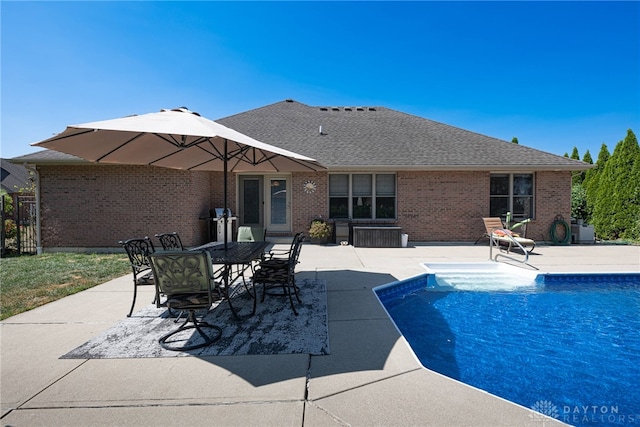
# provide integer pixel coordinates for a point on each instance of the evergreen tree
(583, 174)
(574, 154)
(576, 177)
(591, 179)
(615, 213)
(634, 232)
(515, 140)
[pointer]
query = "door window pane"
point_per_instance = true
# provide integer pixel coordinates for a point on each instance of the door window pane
(279, 201)
(251, 201)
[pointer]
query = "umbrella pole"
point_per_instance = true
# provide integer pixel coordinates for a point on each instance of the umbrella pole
(225, 212)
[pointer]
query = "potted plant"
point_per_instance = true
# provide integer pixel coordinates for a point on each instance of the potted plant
(319, 231)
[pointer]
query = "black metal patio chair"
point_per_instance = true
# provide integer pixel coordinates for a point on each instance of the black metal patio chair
(249, 234)
(170, 241)
(138, 251)
(186, 278)
(279, 272)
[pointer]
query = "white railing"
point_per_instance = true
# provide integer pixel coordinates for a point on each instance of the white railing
(493, 240)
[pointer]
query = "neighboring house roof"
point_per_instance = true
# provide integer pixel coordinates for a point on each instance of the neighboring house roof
(373, 138)
(14, 176)
(370, 138)
(48, 156)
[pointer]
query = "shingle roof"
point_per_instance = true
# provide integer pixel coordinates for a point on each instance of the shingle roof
(372, 138)
(48, 156)
(379, 137)
(14, 177)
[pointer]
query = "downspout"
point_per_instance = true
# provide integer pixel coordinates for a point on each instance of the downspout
(38, 210)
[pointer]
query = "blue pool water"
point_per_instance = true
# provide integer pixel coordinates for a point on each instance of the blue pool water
(567, 346)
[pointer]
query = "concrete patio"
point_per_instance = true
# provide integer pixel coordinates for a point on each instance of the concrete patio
(370, 378)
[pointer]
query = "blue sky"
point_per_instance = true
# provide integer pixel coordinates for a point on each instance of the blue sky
(553, 74)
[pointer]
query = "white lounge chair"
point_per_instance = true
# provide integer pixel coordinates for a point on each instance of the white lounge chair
(496, 230)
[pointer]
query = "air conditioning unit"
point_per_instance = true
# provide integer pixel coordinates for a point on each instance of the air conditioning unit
(582, 233)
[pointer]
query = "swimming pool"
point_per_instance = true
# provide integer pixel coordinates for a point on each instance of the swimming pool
(566, 345)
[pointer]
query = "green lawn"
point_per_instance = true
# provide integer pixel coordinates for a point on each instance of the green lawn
(27, 282)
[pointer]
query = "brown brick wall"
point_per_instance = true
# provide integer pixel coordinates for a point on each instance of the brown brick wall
(95, 206)
(553, 197)
(307, 206)
(449, 206)
(217, 191)
(442, 206)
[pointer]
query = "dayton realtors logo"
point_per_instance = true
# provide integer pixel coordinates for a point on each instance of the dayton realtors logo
(544, 407)
(583, 414)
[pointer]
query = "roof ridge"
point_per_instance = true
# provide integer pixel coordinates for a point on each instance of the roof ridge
(284, 101)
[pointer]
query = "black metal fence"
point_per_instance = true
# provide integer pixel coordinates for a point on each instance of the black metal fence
(19, 231)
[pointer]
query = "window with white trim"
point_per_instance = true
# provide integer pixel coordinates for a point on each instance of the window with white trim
(362, 196)
(512, 192)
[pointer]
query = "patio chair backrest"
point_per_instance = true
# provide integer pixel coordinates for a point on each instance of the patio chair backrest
(170, 241)
(296, 242)
(183, 272)
(251, 234)
(138, 250)
(295, 252)
(492, 224)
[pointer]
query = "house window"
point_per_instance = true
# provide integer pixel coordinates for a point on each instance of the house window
(362, 196)
(512, 192)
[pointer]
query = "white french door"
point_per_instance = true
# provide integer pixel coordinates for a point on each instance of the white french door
(277, 202)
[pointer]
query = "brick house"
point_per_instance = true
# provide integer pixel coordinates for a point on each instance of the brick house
(384, 167)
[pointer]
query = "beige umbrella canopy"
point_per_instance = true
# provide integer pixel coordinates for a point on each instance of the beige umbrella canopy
(177, 139)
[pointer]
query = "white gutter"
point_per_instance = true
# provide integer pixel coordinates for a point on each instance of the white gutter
(460, 168)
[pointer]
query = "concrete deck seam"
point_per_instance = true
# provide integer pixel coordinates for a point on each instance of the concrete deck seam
(27, 400)
(362, 264)
(306, 388)
(368, 384)
(160, 404)
(334, 417)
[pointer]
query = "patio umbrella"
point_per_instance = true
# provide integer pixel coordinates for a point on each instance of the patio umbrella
(177, 139)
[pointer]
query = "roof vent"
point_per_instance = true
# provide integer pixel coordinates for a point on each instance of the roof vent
(288, 100)
(335, 109)
(359, 108)
(324, 109)
(347, 109)
(372, 109)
